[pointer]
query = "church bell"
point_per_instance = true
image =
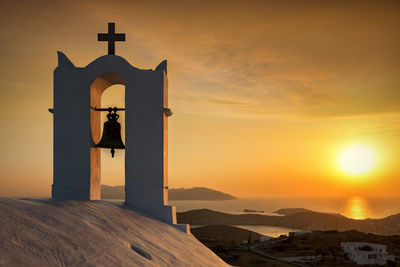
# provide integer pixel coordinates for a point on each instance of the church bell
(111, 137)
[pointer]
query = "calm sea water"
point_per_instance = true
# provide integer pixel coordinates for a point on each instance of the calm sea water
(354, 207)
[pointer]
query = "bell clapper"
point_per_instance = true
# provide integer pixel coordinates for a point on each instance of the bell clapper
(112, 152)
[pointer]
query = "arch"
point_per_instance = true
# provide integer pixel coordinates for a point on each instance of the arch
(97, 87)
(110, 60)
(77, 163)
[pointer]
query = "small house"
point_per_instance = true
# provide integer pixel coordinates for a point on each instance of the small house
(367, 253)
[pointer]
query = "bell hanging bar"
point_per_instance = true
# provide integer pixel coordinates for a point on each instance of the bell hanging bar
(115, 109)
(167, 111)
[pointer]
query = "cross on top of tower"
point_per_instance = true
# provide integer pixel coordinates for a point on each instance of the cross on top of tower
(111, 37)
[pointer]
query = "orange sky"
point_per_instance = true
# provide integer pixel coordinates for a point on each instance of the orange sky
(265, 93)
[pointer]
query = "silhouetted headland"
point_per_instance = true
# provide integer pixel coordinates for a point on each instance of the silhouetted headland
(195, 193)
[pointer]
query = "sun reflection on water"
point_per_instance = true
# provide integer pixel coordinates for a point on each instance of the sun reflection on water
(357, 208)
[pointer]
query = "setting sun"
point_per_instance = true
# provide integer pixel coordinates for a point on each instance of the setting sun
(357, 159)
(207, 133)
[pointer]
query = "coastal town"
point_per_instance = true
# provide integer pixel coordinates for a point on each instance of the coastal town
(311, 248)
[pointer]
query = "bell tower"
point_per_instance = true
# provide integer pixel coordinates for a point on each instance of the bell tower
(77, 162)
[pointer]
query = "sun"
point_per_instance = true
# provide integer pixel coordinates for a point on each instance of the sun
(357, 159)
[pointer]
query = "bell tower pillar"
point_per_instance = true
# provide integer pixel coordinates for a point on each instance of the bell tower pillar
(77, 162)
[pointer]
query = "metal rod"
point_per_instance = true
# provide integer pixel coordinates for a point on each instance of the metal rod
(107, 109)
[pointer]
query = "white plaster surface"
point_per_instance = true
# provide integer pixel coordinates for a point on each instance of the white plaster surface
(92, 233)
(77, 163)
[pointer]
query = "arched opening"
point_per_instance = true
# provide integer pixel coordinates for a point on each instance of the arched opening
(108, 90)
(113, 168)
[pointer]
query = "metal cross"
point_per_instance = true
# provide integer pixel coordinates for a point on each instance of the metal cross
(111, 37)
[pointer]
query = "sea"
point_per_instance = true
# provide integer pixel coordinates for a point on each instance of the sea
(356, 207)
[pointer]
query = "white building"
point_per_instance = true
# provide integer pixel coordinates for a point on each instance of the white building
(265, 238)
(298, 233)
(367, 253)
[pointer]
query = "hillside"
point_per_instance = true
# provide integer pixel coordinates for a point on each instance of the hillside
(328, 242)
(290, 211)
(226, 233)
(226, 242)
(92, 233)
(301, 220)
(195, 193)
(198, 193)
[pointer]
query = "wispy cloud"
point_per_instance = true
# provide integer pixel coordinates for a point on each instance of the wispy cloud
(279, 64)
(258, 59)
(229, 103)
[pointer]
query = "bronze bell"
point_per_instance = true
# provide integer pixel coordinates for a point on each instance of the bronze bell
(111, 133)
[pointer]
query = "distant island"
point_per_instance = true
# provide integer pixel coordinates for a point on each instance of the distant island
(250, 211)
(290, 211)
(195, 193)
(198, 193)
(112, 192)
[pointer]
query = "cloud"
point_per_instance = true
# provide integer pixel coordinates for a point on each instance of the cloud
(264, 57)
(230, 103)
